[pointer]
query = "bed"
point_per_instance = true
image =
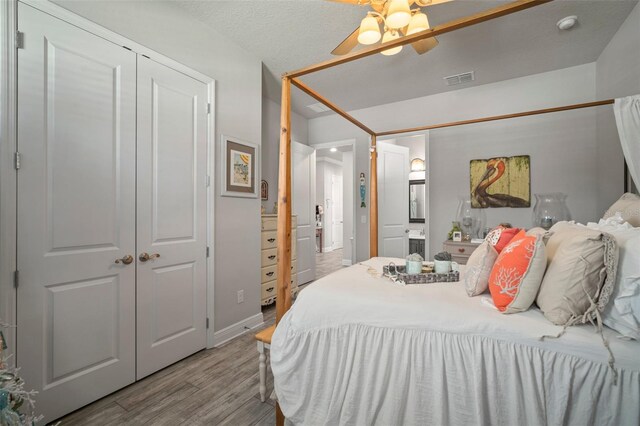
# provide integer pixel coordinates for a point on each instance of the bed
(357, 349)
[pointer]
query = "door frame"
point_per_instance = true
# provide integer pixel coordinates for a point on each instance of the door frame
(8, 147)
(352, 144)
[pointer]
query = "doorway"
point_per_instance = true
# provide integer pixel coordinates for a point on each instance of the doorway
(335, 211)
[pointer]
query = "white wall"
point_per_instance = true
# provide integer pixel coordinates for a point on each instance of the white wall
(617, 75)
(348, 206)
(168, 30)
(562, 145)
(271, 144)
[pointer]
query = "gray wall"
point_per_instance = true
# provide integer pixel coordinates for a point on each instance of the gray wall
(166, 29)
(562, 145)
(271, 144)
(617, 75)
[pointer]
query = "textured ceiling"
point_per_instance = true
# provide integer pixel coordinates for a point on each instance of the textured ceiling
(288, 34)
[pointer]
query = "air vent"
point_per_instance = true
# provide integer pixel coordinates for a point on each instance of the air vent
(319, 107)
(465, 77)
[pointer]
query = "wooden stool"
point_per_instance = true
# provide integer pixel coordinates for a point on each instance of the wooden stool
(264, 342)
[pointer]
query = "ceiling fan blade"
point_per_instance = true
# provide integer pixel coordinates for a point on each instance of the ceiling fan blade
(425, 45)
(347, 44)
(423, 3)
(355, 2)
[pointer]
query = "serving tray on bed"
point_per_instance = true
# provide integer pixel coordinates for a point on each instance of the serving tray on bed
(423, 278)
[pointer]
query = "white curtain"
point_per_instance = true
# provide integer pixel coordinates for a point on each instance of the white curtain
(627, 111)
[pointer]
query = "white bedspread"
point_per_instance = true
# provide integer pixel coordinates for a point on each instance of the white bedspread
(360, 350)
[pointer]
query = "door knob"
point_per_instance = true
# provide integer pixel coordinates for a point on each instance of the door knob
(146, 256)
(126, 259)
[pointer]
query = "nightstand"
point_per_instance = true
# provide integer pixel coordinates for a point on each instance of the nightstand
(460, 250)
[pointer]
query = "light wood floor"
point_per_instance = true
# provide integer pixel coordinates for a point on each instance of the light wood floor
(214, 386)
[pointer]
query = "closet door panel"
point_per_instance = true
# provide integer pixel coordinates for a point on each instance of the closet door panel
(76, 213)
(171, 216)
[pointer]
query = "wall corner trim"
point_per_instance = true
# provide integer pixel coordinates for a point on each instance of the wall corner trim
(235, 330)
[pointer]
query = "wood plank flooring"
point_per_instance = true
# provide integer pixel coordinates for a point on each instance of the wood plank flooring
(211, 387)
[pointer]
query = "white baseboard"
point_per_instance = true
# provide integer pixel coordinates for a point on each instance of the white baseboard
(346, 262)
(235, 330)
(327, 249)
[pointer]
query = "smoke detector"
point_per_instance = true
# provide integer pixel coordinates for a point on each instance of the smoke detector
(567, 23)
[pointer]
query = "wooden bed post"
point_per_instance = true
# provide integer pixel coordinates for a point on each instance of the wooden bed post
(283, 290)
(373, 204)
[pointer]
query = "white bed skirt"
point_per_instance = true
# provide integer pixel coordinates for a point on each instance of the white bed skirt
(335, 371)
(362, 375)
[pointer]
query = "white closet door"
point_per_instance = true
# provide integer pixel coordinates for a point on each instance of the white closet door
(171, 216)
(303, 160)
(393, 200)
(337, 212)
(76, 213)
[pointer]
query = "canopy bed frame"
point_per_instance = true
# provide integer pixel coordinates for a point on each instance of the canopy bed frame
(283, 300)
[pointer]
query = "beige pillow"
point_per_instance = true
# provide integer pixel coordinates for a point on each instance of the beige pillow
(629, 207)
(581, 267)
(479, 264)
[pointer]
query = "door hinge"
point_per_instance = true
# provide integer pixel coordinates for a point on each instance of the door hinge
(16, 278)
(19, 40)
(17, 159)
(207, 251)
(207, 322)
(209, 108)
(208, 181)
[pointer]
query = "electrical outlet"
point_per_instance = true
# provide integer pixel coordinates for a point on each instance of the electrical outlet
(240, 296)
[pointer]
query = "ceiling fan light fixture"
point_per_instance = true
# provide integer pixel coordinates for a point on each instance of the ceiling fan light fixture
(399, 14)
(419, 22)
(369, 32)
(389, 36)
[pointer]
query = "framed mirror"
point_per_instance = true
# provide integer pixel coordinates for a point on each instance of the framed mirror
(416, 201)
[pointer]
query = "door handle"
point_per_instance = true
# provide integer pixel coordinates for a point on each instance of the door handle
(146, 256)
(126, 259)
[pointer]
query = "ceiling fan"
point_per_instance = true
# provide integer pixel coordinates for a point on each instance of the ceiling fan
(397, 19)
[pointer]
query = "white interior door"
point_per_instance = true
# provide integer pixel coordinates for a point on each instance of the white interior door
(336, 212)
(171, 216)
(393, 200)
(303, 160)
(76, 213)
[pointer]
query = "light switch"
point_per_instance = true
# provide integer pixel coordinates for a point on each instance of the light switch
(363, 219)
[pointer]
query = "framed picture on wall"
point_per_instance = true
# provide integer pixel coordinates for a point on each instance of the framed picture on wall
(240, 167)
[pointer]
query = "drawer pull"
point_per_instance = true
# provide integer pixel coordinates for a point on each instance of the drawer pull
(461, 250)
(271, 240)
(270, 289)
(270, 274)
(273, 256)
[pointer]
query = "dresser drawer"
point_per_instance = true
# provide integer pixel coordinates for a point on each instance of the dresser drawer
(269, 288)
(270, 223)
(269, 257)
(269, 273)
(462, 260)
(459, 249)
(269, 239)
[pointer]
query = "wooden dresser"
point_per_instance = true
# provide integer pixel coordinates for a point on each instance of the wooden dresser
(269, 274)
(460, 250)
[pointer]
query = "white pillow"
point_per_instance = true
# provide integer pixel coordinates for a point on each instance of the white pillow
(629, 208)
(476, 278)
(622, 313)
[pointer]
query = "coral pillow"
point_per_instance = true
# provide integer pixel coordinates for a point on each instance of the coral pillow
(499, 237)
(479, 265)
(517, 273)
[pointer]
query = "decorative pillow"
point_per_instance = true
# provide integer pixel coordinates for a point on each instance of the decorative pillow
(517, 273)
(580, 273)
(476, 279)
(629, 207)
(499, 237)
(622, 313)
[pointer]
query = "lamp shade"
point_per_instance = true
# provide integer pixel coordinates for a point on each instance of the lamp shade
(419, 22)
(388, 36)
(369, 30)
(399, 14)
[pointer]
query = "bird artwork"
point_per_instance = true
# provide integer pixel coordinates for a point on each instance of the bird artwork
(500, 182)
